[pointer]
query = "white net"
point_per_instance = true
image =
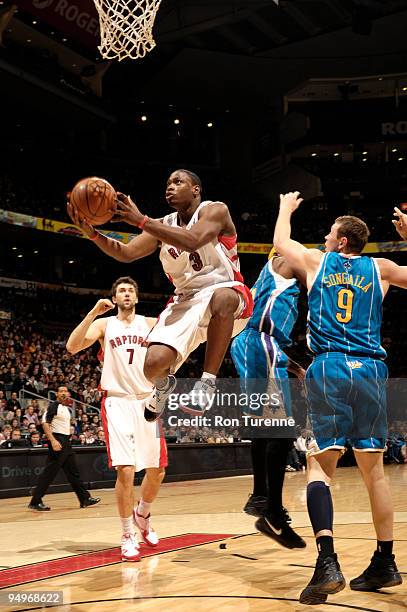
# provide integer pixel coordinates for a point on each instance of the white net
(126, 27)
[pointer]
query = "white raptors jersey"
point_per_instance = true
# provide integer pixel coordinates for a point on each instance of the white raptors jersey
(124, 355)
(213, 263)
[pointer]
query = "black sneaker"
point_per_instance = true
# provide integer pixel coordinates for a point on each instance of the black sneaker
(287, 517)
(381, 573)
(256, 505)
(327, 580)
(279, 530)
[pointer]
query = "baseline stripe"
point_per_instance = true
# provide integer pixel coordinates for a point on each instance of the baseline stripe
(100, 558)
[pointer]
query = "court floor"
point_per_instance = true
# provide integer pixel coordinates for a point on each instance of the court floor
(209, 558)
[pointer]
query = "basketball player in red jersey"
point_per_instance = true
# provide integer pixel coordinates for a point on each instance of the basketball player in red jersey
(133, 444)
(198, 251)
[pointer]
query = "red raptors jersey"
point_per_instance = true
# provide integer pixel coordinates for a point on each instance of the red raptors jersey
(124, 355)
(213, 263)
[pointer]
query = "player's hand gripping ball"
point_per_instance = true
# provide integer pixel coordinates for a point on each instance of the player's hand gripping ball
(95, 199)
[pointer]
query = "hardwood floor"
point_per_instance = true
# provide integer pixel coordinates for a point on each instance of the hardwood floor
(229, 567)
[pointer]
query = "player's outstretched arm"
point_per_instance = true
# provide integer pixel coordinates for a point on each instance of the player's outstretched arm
(400, 223)
(89, 331)
(138, 247)
(392, 273)
(211, 223)
(294, 252)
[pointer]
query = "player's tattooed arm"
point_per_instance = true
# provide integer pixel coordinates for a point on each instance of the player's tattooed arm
(213, 220)
(138, 247)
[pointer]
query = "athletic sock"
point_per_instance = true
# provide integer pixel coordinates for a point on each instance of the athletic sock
(143, 508)
(319, 504)
(127, 525)
(208, 377)
(320, 510)
(384, 549)
(325, 546)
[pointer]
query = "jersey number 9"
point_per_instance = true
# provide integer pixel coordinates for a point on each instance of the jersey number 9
(345, 303)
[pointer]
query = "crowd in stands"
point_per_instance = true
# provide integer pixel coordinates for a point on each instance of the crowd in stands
(36, 365)
(254, 215)
(33, 363)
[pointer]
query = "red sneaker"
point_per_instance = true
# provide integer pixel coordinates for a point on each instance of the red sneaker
(130, 548)
(143, 524)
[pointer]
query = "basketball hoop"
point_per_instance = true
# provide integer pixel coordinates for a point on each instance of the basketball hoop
(126, 27)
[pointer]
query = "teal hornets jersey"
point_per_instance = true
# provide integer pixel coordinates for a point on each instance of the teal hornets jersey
(275, 305)
(345, 307)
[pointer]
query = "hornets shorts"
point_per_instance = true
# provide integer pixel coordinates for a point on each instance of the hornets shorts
(262, 367)
(347, 402)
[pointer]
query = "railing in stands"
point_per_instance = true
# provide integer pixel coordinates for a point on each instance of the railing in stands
(25, 397)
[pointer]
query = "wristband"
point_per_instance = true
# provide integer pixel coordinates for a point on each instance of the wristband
(143, 222)
(95, 237)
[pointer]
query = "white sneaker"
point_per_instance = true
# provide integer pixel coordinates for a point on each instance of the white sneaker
(130, 548)
(200, 398)
(143, 524)
(158, 399)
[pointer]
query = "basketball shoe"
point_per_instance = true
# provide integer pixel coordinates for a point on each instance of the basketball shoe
(200, 398)
(158, 399)
(256, 505)
(277, 528)
(327, 580)
(130, 550)
(381, 573)
(143, 524)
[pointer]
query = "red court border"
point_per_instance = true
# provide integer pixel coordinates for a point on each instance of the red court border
(77, 563)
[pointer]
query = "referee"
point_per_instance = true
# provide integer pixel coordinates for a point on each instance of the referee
(56, 423)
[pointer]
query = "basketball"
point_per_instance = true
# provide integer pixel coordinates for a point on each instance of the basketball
(95, 199)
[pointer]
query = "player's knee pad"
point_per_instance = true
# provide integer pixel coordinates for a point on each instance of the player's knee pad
(319, 503)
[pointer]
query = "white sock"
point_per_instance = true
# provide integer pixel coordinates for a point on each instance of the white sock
(207, 376)
(127, 525)
(143, 508)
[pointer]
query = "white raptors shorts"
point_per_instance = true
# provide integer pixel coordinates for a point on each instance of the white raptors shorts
(130, 439)
(184, 323)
